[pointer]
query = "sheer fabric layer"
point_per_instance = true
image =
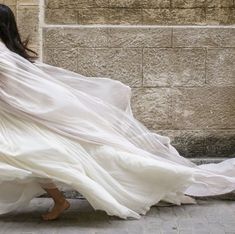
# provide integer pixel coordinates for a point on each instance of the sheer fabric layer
(62, 127)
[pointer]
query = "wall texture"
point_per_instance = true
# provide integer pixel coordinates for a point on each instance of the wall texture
(177, 55)
(140, 12)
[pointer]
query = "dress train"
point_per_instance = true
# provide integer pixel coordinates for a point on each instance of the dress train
(79, 133)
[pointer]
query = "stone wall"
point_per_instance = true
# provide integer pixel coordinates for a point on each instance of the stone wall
(178, 57)
(143, 12)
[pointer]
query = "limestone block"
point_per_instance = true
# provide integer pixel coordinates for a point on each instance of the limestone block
(221, 67)
(124, 3)
(61, 57)
(122, 64)
(60, 16)
(172, 67)
(203, 108)
(9, 2)
(28, 2)
(139, 37)
(202, 143)
(151, 106)
(27, 20)
(203, 37)
(101, 3)
(75, 4)
(201, 3)
(188, 3)
(106, 3)
(220, 16)
(75, 37)
(109, 16)
(140, 3)
(125, 16)
(174, 16)
(219, 3)
(93, 15)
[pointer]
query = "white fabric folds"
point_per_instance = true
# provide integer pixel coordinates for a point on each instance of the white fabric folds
(77, 131)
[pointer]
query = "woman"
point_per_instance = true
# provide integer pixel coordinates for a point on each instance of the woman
(59, 129)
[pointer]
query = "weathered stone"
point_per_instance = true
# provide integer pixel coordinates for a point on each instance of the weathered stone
(10, 2)
(140, 3)
(220, 15)
(75, 4)
(124, 3)
(75, 37)
(220, 67)
(60, 16)
(219, 3)
(139, 37)
(26, 26)
(174, 16)
(125, 16)
(138, 12)
(109, 16)
(172, 67)
(101, 3)
(203, 37)
(124, 64)
(151, 106)
(155, 3)
(203, 108)
(93, 15)
(202, 143)
(28, 2)
(201, 3)
(188, 3)
(61, 57)
(130, 11)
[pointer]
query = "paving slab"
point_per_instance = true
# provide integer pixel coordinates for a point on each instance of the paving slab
(210, 216)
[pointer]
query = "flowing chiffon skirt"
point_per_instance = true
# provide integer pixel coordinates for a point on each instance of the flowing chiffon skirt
(118, 182)
(79, 133)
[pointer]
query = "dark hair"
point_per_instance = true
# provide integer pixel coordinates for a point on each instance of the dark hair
(10, 35)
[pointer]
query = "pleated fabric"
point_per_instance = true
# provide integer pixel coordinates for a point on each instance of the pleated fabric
(78, 132)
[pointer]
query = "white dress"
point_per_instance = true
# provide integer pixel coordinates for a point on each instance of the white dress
(79, 133)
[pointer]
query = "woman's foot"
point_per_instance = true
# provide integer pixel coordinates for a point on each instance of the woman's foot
(58, 208)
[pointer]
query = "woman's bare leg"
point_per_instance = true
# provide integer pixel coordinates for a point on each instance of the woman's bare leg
(60, 205)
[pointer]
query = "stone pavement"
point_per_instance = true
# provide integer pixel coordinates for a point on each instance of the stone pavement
(208, 216)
